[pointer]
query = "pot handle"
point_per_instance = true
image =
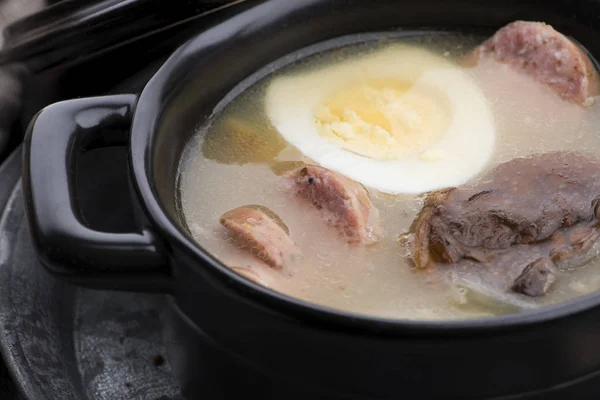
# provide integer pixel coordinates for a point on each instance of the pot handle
(66, 247)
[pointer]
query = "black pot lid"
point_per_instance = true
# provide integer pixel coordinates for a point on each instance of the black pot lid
(74, 29)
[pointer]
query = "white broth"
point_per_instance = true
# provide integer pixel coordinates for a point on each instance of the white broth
(229, 163)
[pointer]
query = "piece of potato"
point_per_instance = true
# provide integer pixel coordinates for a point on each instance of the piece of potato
(235, 141)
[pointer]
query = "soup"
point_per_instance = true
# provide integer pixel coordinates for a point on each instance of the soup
(323, 114)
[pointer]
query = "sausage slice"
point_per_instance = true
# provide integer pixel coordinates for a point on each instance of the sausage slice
(344, 203)
(538, 50)
(263, 233)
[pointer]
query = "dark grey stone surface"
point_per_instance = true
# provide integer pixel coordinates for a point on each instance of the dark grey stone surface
(64, 343)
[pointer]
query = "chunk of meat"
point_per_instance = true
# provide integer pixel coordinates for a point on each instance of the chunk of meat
(523, 201)
(538, 50)
(536, 279)
(575, 247)
(493, 281)
(343, 203)
(263, 233)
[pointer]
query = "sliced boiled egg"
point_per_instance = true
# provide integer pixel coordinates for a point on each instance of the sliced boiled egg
(400, 120)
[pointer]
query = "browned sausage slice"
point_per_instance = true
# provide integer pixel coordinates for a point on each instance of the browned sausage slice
(344, 203)
(538, 50)
(263, 233)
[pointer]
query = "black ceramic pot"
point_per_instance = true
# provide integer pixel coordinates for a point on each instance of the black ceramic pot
(233, 337)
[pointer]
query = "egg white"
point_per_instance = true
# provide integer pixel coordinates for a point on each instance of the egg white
(463, 150)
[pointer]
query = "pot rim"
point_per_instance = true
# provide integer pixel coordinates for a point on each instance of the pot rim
(144, 125)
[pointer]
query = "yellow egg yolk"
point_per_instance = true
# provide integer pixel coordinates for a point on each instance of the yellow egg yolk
(385, 119)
